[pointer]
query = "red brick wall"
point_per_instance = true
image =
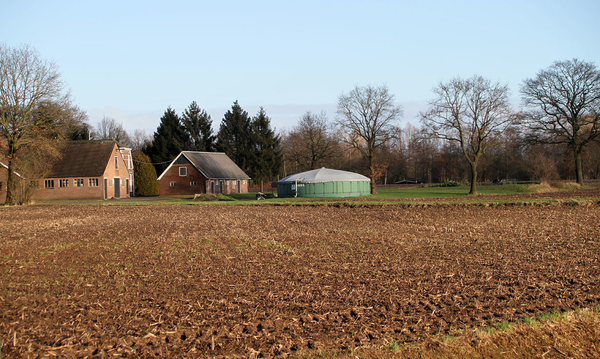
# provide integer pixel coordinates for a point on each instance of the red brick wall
(229, 186)
(110, 173)
(203, 185)
(72, 192)
(183, 186)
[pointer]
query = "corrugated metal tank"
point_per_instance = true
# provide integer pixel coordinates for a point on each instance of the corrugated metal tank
(324, 183)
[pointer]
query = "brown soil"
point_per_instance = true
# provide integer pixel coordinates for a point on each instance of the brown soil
(194, 281)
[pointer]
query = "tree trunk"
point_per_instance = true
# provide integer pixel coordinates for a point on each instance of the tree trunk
(372, 174)
(261, 186)
(578, 167)
(9, 184)
(473, 189)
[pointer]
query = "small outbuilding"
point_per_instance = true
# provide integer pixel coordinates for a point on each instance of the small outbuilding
(324, 183)
(193, 172)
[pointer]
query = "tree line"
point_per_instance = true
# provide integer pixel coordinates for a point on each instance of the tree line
(249, 141)
(468, 133)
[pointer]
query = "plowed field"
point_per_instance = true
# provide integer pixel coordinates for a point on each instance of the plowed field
(194, 281)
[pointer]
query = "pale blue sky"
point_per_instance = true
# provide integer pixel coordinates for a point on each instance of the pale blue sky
(130, 60)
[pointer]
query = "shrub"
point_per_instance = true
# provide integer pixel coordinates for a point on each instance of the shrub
(447, 184)
(144, 176)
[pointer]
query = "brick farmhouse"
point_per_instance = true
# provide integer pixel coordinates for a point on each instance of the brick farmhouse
(88, 169)
(194, 172)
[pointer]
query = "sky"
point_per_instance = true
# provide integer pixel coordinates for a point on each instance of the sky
(131, 60)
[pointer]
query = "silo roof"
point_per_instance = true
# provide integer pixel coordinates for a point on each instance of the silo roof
(324, 175)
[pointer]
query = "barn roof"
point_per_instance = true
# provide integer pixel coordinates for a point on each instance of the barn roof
(324, 175)
(212, 165)
(82, 159)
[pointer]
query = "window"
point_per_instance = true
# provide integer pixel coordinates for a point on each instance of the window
(93, 182)
(173, 184)
(183, 171)
(78, 182)
(63, 183)
(49, 184)
(116, 162)
(193, 184)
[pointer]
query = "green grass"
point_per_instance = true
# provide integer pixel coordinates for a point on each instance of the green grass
(383, 196)
(441, 192)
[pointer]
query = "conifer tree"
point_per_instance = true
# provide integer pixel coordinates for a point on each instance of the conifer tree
(267, 156)
(145, 176)
(169, 140)
(198, 126)
(235, 137)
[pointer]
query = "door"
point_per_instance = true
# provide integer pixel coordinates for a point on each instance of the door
(117, 187)
(239, 186)
(220, 186)
(105, 188)
(212, 187)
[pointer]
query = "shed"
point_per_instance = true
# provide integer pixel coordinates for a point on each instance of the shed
(324, 183)
(193, 172)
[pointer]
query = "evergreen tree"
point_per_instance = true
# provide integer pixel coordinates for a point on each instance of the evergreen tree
(267, 156)
(145, 176)
(198, 126)
(235, 137)
(169, 140)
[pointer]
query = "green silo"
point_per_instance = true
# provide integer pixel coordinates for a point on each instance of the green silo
(324, 183)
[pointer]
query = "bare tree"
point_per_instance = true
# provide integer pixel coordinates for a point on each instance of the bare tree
(310, 143)
(565, 107)
(26, 82)
(110, 129)
(472, 112)
(367, 116)
(139, 140)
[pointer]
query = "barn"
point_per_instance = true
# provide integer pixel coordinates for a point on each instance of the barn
(324, 183)
(193, 172)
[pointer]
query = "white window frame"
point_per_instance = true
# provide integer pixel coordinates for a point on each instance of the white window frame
(63, 183)
(116, 162)
(183, 170)
(49, 184)
(173, 184)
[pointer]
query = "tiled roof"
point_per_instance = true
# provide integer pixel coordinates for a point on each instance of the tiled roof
(215, 165)
(82, 159)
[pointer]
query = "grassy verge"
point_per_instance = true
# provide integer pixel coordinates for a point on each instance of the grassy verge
(571, 334)
(396, 195)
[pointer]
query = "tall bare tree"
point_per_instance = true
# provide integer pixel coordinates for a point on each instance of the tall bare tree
(310, 144)
(110, 129)
(26, 82)
(472, 112)
(564, 102)
(139, 140)
(367, 116)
